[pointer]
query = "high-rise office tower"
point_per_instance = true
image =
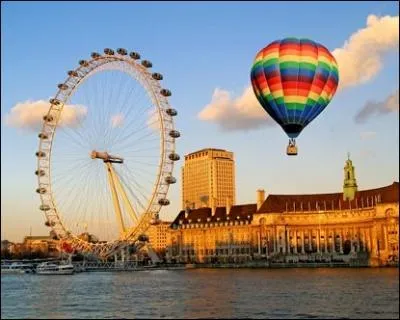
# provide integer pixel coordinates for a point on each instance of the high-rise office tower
(208, 179)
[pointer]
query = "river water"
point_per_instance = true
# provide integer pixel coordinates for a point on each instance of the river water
(205, 293)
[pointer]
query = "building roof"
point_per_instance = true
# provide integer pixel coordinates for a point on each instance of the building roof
(237, 213)
(290, 203)
(33, 238)
(330, 201)
(205, 149)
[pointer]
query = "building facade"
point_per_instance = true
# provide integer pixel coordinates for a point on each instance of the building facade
(208, 179)
(351, 226)
(44, 244)
(158, 234)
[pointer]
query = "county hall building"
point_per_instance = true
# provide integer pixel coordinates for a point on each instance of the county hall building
(352, 225)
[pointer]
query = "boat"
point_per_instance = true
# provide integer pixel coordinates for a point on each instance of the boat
(17, 267)
(52, 267)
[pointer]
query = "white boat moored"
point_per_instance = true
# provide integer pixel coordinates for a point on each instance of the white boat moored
(55, 268)
(17, 267)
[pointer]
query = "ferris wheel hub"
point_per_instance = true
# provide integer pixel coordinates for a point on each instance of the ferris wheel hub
(106, 157)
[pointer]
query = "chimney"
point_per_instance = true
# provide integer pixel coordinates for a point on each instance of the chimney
(260, 198)
(228, 205)
(187, 209)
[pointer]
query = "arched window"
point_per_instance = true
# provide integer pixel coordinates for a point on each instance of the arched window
(348, 175)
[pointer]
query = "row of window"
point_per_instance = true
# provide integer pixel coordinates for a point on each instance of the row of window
(213, 224)
(216, 251)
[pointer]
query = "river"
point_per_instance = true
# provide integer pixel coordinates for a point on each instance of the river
(206, 293)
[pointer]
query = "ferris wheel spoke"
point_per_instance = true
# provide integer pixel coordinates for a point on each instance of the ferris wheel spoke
(155, 142)
(136, 112)
(144, 179)
(78, 138)
(143, 149)
(72, 197)
(124, 139)
(141, 169)
(69, 173)
(139, 187)
(109, 110)
(78, 202)
(135, 196)
(127, 126)
(136, 174)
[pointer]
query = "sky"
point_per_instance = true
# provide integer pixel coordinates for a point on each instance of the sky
(205, 52)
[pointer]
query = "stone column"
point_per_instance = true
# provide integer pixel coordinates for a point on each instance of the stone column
(352, 235)
(284, 235)
(326, 240)
(318, 239)
(295, 241)
(358, 239)
(364, 240)
(333, 241)
(341, 241)
(368, 239)
(302, 241)
(374, 246)
(385, 238)
(259, 242)
(361, 238)
(276, 240)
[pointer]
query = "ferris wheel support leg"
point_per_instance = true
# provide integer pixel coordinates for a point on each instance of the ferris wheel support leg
(121, 190)
(115, 197)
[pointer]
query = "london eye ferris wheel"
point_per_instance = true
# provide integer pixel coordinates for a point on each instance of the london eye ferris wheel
(106, 152)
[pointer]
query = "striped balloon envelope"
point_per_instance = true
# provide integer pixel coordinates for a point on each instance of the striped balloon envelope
(294, 80)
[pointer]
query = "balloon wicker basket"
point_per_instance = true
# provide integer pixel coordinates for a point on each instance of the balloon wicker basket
(291, 150)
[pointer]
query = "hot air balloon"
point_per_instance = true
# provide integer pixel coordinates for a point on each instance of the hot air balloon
(294, 80)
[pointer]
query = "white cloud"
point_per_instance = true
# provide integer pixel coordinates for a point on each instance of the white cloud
(29, 115)
(367, 135)
(242, 113)
(359, 60)
(117, 120)
(390, 104)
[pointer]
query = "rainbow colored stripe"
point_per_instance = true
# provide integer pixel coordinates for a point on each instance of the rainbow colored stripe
(294, 80)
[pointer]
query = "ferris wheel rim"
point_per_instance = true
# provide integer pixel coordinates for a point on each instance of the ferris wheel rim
(165, 167)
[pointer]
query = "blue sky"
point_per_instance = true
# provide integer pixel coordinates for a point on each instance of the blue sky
(198, 47)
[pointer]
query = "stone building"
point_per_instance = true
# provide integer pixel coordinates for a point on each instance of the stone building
(348, 226)
(43, 244)
(157, 234)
